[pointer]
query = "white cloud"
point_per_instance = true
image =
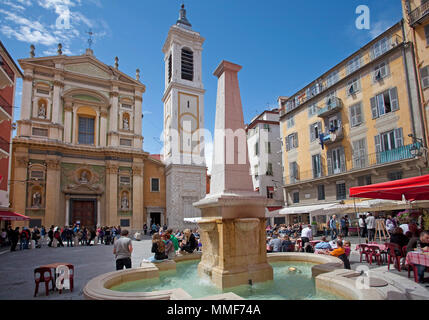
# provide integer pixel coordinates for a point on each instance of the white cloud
(146, 112)
(13, 5)
(67, 27)
(378, 28)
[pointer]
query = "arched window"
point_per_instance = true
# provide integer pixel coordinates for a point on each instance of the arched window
(187, 64)
(170, 66)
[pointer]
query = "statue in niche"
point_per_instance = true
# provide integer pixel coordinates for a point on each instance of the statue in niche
(42, 111)
(126, 124)
(84, 177)
(37, 199)
(124, 201)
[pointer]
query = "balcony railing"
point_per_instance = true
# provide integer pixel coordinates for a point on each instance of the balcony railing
(334, 105)
(4, 145)
(7, 69)
(417, 14)
(333, 137)
(6, 106)
(357, 163)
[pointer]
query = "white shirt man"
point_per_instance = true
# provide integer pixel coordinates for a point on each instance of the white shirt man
(370, 222)
(307, 233)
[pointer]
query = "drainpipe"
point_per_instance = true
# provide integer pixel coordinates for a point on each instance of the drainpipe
(408, 78)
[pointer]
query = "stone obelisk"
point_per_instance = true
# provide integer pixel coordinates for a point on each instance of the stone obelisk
(232, 223)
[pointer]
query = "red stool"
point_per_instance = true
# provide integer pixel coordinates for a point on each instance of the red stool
(393, 255)
(42, 275)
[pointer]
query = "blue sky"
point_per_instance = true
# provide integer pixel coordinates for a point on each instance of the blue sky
(282, 45)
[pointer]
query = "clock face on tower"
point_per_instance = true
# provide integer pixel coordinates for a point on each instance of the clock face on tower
(188, 115)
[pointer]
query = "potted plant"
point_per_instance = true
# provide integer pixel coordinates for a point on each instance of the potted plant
(314, 228)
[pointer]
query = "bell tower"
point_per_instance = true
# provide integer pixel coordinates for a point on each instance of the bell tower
(183, 121)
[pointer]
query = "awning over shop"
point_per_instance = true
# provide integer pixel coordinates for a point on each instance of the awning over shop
(318, 208)
(12, 216)
(416, 188)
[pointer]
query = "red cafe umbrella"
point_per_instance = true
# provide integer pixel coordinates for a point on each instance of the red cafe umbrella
(8, 215)
(416, 188)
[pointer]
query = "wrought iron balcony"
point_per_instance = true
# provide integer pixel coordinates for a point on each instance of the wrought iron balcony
(5, 110)
(334, 136)
(419, 14)
(333, 105)
(357, 163)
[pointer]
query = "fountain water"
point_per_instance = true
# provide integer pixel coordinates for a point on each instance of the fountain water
(232, 223)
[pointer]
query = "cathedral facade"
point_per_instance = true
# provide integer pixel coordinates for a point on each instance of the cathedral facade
(78, 154)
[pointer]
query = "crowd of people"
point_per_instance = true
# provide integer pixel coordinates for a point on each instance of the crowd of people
(69, 236)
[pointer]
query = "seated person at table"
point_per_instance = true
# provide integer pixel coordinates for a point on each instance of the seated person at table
(275, 243)
(423, 241)
(287, 245)
(189, 242)
(158, 247)
(339, 249)
(333, 243)
(323, 245)
(398, 237)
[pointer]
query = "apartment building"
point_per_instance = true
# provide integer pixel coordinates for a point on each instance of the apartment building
(265, 148)
(357, 124)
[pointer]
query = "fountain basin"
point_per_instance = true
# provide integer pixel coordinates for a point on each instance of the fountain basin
(101, 286)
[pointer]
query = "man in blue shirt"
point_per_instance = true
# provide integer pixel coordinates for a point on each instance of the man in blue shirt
(324, 245)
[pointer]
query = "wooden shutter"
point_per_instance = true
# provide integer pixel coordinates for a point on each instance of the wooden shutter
(378, 145)
(312, 133)
(374, 108)
(329, 160)
(342, 160)
(393, 93)
(353, 116)
(295, 140)
(424, 72)
(399, 140)
(287, 143)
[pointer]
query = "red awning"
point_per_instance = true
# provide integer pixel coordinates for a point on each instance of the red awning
(416, 188)
(270, 209)
(8, 215)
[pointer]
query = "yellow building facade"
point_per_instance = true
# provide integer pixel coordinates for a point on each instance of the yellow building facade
(364, 110)
(416, 16)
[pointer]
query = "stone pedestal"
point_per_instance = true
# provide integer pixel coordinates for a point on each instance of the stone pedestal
(232, 231)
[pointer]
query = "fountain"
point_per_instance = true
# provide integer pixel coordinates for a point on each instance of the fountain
(232, 230)
(232, 223)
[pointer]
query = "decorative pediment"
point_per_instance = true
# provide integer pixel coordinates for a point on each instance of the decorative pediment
(88, 69)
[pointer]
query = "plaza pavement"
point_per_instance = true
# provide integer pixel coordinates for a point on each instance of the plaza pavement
(16, 268)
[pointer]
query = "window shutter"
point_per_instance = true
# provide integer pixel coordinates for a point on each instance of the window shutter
(312, 135)
(374, 108)
(358, 111)
(295, 141)
(425, 76)
(330, 169)
(378, 145)
(353, 116)
(394, 99)
(399, 140)
(342, 160)
(287, 144)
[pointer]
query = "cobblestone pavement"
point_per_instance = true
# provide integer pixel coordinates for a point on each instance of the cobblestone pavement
(16, 268)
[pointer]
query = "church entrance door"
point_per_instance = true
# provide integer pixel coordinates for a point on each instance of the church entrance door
(84, 212)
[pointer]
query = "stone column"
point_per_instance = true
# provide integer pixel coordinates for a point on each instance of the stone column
(137, 222)
(103, 128)
(112, 193)
(53, 189)
(19, 184)
(98, 212)
(57, 109)
(67, 222)
(68, 108)
(113, 118)
(27, 93)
